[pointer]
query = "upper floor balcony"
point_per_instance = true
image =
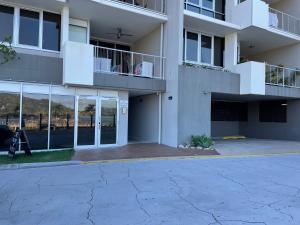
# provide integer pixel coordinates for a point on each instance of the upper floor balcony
(260, 14)
(152, 5)
(210, 8)
(128, 63)
(208, 16)
(282, 76)
(284, 22)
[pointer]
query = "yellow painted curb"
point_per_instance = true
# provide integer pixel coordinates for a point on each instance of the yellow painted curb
(233, 137)
(185, 157)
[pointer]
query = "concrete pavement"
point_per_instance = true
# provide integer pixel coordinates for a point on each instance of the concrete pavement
(224, 191)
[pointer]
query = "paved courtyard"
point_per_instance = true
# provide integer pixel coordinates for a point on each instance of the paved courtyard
(207, 191)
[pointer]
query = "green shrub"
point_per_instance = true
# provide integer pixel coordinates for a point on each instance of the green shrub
(202, 141)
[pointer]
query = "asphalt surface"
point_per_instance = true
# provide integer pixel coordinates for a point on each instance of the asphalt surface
(222, 191)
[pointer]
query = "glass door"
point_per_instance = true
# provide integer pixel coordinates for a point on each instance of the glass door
(86, 121)
(108, 121)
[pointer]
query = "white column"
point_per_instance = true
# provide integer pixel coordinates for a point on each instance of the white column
(65, 17)
(230, 4)
(231, 51)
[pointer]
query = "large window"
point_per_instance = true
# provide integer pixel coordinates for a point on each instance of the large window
(211, 8)
(273, 112)
(35, 112)
(34, 28)
(6, 22)
(29, 28)
(203, 49)
(51, 31)
(9, 117)
(62, 122)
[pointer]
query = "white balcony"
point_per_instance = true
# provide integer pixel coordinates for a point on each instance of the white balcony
(120, 62)
(252, 78)
(259, 23)
(152, 5)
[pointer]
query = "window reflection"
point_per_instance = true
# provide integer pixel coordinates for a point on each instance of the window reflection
(62, 122)
(6, 22)
(86, 121)
(9, 117)
(29, 28)
(35, 119)
(108, 121)
(51, 31)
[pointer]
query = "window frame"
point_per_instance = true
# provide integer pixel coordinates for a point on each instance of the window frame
(199, 53)
(16, 26)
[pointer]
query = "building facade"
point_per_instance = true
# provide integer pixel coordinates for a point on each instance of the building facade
(97, 73)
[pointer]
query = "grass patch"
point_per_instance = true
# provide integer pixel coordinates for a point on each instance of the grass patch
(55, 156)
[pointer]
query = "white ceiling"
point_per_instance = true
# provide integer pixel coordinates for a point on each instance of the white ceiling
(106, 19)
(262, 40)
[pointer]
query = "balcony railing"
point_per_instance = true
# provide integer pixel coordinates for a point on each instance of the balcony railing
(203, 11)
(114, 61)
(284, 22)
(281, 76)
(154, 5)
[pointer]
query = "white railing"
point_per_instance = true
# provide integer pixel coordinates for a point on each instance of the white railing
(281, 76)
(154, 5)
(284, 22)
(204, 11)
(114, 61)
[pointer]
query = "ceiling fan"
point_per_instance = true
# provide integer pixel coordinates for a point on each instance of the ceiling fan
(119, 34)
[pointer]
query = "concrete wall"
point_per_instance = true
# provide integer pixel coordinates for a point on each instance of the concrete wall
(173, 39)
(209, 80)
(225, 128)
(194, 106)
(143, 119)
(150, 44)
(113, 81)
(282, 131)
(33, 68)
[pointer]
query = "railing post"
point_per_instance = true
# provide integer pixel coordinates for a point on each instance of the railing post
(132, 66)
(283, 76)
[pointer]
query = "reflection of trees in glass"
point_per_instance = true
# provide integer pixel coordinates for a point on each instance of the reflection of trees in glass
(61, 115)
(90, 109)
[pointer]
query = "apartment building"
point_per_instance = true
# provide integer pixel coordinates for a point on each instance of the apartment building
(98, 73)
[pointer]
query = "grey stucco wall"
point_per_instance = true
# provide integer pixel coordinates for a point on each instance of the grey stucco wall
(143, 118)
(123, 121)
(194, 99)
(213, 81)
(278, 91)
(282, 131)
(33, 68)
(114, 81)
(225, 128)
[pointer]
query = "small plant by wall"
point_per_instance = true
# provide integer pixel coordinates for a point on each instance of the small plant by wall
(202, 141)
(7, 53)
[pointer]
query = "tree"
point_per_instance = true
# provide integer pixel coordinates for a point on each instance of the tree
(7, 53)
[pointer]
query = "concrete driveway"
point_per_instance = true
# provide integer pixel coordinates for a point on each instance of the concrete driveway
(256, 147)
(221, 191)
